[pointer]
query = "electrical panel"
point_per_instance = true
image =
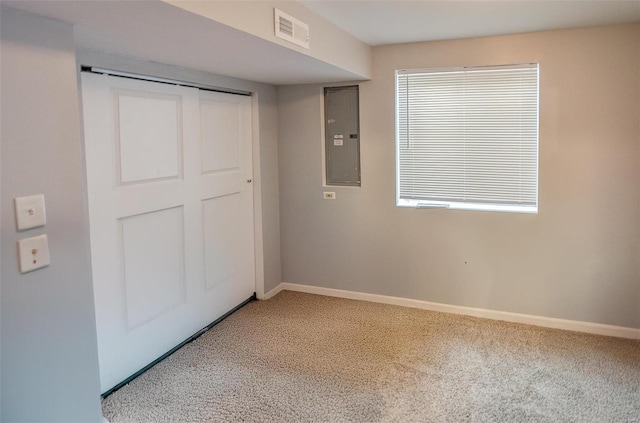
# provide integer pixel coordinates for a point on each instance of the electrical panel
(342, 135)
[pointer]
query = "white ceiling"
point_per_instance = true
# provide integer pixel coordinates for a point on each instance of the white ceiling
(400, 21)
(157, 31)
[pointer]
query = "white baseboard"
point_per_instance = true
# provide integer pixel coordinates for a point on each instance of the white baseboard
(273, 292)
(547, 322)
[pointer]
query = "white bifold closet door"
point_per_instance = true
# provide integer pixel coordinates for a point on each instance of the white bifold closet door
(169, 172)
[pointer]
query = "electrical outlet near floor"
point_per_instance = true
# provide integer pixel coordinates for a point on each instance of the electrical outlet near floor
(329, 195)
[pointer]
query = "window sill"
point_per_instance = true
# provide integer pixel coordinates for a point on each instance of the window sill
(417, 204)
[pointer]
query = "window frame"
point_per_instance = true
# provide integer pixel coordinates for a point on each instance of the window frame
(468, 205)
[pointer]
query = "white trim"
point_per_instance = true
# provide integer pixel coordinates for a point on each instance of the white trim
(275, 291)
(258, 238)
(461, 205)
(547, 322)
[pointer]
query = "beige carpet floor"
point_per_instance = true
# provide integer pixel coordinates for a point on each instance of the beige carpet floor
(307, 358)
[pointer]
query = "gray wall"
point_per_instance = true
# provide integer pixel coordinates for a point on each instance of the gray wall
(577, 259)
(49, 352)
(49, 358)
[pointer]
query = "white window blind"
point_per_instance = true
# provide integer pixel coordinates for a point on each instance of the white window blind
(468, 138)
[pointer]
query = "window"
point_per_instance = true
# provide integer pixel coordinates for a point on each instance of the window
(467, 138)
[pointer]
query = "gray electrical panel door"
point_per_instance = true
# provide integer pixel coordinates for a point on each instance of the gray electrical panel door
(342, 135)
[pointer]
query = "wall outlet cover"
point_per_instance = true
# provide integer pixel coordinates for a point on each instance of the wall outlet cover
(33, 253)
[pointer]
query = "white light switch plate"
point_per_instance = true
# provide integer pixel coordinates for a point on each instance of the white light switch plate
(30, 212)
(33, 253)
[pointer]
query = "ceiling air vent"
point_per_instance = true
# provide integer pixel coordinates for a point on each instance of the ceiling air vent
(291, 29)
